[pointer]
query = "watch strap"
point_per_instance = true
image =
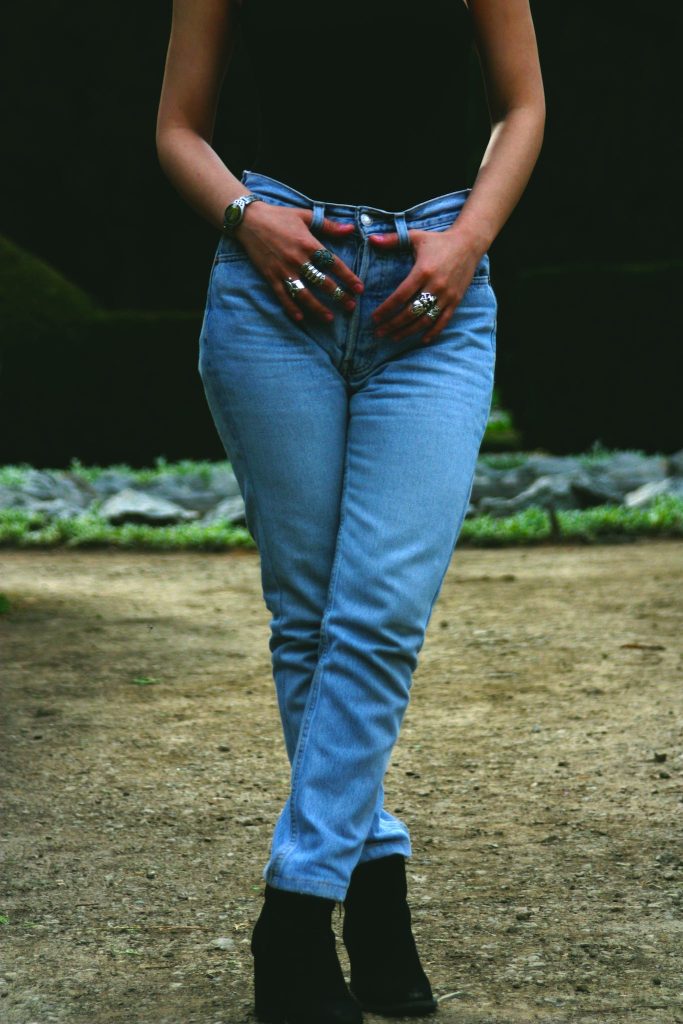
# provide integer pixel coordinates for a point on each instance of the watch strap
(239, 204)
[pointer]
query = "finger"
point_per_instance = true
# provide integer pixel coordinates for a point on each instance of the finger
(288, 304)
(439, 324)
(424, 323)
(337, 227)
(395, 303)
(385, 241)
(408, 323)
(329, 284)
(307, 297)
(348, 279)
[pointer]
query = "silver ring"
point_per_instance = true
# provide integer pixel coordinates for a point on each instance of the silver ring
(294, 286)
(422, 303)
(434, 312)
(323, 256)
(312, 274)
(338, 294)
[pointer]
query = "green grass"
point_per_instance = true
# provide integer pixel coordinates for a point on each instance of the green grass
(13, 475)
(663, 518)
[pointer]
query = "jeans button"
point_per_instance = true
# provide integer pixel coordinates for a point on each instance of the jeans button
(366, 219)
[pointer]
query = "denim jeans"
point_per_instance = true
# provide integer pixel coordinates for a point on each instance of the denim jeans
(355, 457)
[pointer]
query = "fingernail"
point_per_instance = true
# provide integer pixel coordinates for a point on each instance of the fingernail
(329, 316)
(358, 287)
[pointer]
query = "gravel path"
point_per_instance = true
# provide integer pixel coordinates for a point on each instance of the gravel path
(539, 768)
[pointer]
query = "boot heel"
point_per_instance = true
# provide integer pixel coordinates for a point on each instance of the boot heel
(266, 1001)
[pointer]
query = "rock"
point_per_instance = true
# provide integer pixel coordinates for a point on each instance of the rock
(46, 486)
(546, 492)
(231, 509)
(57, 508)
(646, 494)
(593, 488)
(111, 481)
(485, 485)
(676, 463)
(628, 470)
(182, 492)
(11, 497)
(549, 465)
(131, 506)
(224, 942)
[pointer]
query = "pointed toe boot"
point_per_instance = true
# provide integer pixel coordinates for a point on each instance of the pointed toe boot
(387, 977)
(297, 975)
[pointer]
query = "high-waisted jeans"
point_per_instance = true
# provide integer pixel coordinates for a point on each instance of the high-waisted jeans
(355, 456)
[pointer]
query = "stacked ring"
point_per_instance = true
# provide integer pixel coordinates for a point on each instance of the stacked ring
(312, 274)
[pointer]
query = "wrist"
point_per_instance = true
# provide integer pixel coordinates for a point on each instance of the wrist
(234, 213)
(473, 237)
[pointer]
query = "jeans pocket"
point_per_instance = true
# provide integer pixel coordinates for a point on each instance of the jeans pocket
(230, 248)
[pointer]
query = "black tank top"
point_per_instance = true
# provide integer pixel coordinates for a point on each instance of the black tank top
(363, 101)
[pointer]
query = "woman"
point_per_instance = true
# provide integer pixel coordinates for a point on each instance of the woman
(347, 355)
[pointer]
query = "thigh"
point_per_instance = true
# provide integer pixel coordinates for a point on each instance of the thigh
(281, 410)
(416, 426)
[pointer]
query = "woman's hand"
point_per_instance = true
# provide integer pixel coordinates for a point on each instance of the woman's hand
(444, 265)
(278, 241)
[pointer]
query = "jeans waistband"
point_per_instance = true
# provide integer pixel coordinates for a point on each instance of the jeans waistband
(368, 219)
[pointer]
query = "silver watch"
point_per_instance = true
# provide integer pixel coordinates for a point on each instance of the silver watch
(234, 213)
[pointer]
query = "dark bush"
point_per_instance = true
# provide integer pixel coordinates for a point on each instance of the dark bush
(78, 381)
(121, 387)
(593, 352)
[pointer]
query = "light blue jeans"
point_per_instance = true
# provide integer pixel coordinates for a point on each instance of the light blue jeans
(355, 457)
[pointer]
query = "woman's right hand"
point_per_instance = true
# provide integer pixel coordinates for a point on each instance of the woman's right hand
(278, 241)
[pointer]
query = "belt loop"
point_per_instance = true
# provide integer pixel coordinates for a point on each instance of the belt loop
(318, 216)
(402, 229)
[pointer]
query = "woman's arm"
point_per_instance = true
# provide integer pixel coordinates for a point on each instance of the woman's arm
(446, 260)
(506, 42)
(203, 35)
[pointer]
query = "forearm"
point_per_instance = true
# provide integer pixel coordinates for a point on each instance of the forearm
(504, 172)
(196, 171)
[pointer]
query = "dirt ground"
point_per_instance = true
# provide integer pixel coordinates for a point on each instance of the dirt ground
(539, 769)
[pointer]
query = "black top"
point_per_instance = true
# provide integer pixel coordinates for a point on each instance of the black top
(362, 101)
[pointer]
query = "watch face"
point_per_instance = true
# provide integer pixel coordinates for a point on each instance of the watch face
(233, 215)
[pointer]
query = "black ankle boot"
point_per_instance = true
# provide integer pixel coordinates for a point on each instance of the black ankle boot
(297, 976)
(386, 973)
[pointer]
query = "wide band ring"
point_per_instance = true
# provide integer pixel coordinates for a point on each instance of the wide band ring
(422, 303)
(433, 312)
(312, 274)
(323, 256)
(294, 286)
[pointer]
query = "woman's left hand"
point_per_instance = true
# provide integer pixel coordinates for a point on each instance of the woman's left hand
(444, 265)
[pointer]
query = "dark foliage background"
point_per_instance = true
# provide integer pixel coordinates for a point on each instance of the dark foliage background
(82, 188)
